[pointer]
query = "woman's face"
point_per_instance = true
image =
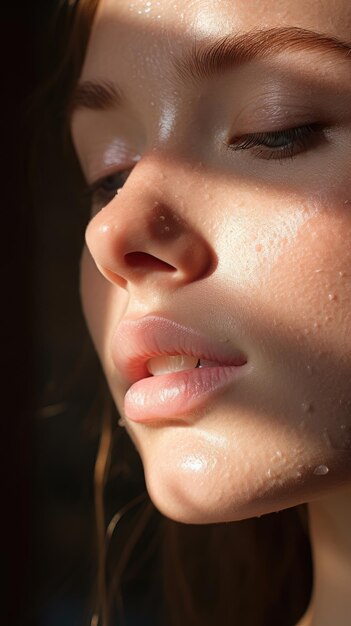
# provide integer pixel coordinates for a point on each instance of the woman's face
(217, 283)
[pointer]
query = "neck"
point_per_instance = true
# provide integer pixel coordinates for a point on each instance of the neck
(330, 528)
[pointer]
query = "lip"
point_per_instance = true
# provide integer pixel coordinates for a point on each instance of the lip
(177, 394)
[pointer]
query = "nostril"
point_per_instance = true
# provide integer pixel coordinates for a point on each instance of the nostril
(143, 260)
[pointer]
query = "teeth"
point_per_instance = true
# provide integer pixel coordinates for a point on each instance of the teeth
(165, 364)
(203, 363)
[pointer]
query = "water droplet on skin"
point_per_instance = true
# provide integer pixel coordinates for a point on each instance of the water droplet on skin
(318, 271)
(321, 470)
(332, 297)
(269, 473)
(309, 369)
(342, 274)
(278, 454)
(121, 422)
(346, 201)
(343, 426)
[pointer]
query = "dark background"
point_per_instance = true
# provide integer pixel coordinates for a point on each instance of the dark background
(22, 26)
(17, 77)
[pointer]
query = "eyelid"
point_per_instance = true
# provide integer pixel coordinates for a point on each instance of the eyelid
(295, 140)
(99, 167)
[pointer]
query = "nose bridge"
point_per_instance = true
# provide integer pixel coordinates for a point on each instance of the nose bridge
(148, 230)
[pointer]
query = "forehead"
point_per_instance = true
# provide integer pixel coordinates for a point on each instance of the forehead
(135, 34)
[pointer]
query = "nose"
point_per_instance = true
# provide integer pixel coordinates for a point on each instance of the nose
(148, 233)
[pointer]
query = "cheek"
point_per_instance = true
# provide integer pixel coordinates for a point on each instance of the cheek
(103, 306)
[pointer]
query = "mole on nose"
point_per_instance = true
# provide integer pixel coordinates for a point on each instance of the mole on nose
(164, 223)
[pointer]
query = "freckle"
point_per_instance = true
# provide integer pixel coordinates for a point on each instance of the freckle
(332, 297)
(307, 407)
(258, 247)
(326, 437)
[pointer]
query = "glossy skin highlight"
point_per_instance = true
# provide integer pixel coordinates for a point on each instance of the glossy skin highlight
(258, 253)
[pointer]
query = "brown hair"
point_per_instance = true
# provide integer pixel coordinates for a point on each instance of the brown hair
(255, 572)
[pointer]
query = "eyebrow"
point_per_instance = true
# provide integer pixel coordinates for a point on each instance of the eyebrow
(97, 96)
(209, 58)
(206, 59)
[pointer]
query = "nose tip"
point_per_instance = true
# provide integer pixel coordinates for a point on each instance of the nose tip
(132, 243)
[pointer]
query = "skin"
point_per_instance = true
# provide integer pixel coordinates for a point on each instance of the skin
(271, 270)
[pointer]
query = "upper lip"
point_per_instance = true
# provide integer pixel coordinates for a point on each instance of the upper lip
(137, 341)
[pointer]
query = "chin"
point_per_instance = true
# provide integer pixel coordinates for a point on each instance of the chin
(192, 488)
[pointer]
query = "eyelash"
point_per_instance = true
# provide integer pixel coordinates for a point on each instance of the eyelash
(290, 142)
(102, 191)
(280, 144)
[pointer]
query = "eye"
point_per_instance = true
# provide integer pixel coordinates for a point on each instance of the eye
(102, 191)
(280, 144)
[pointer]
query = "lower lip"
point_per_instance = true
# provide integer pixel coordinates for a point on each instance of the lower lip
(176, 395)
